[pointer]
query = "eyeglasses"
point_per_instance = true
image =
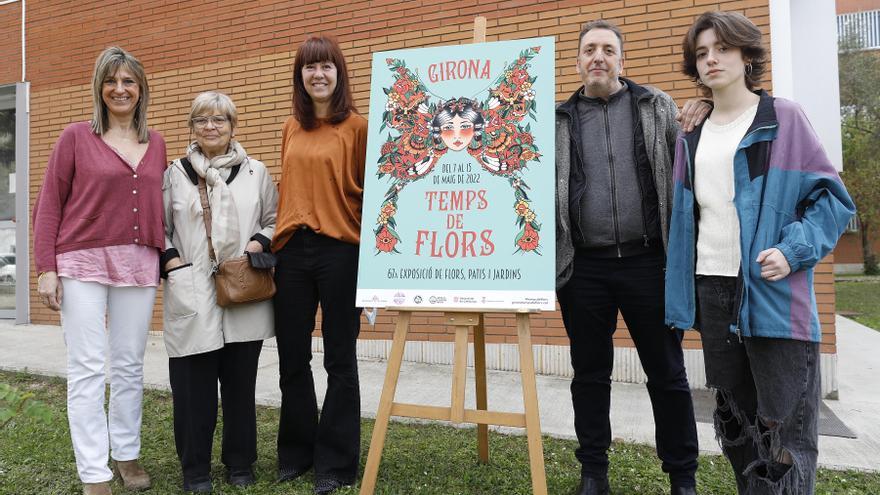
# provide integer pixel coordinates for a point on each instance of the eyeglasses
(202, 122)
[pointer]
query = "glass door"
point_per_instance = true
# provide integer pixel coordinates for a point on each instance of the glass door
(13, 207)
(7, 202)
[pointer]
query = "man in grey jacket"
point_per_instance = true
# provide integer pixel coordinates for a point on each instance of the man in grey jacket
(615, 142)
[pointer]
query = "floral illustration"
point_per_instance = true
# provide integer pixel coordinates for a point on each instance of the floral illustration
(491, 132)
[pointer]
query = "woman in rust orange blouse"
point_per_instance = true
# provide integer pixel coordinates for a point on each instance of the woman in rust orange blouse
(318, 231)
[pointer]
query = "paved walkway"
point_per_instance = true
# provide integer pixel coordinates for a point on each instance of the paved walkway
(40, 349)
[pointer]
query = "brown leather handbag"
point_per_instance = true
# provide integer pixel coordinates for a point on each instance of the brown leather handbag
(239, 280)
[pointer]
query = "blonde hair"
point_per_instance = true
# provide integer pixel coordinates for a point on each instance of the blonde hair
(213, 101)
(108, 63)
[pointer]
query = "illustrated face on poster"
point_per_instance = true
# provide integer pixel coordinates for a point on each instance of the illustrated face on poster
(459, 193)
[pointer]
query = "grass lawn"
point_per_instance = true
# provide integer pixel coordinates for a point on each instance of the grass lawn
(859, 299)
(419, 459)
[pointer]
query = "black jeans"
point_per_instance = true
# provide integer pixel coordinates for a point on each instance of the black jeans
(590, 301)
(194, 391)
(314, 269)
(767, 397)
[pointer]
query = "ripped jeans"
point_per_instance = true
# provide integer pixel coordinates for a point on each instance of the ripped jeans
(767, 397)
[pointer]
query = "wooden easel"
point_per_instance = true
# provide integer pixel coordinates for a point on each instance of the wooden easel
(463, 321)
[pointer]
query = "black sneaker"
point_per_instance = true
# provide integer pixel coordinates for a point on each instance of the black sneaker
(240, 476)
(593, 486)
(198, 485)
(326, 486)
(290, 473)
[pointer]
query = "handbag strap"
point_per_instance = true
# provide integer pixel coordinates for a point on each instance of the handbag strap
(206, 213)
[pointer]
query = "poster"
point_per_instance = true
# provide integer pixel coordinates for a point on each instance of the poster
(459, 205)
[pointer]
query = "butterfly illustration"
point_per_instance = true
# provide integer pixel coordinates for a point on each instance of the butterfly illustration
(491, 132)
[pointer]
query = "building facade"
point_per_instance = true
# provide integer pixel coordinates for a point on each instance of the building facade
(244, 49)
(859, 18)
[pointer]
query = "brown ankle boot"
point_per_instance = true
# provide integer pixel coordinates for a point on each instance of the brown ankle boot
(97, 488)
(133, 475)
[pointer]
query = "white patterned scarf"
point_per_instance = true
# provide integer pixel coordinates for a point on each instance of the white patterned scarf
(225, 234)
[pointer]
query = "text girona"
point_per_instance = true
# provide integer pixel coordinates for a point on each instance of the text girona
(459, 69)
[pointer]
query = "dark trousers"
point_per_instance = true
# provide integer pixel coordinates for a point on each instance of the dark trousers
(194, 391)
(767, 397)
(590, 301)
(314, 269)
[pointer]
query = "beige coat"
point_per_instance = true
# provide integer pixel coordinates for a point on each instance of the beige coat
(193, 321)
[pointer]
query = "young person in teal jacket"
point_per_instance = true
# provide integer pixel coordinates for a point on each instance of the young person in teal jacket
(756, 205)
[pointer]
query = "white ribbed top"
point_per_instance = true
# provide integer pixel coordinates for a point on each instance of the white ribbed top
(718, 250)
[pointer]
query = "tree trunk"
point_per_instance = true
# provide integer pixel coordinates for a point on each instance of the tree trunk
(868, 255)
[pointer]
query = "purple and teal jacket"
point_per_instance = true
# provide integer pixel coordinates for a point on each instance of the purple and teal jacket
(787, 195)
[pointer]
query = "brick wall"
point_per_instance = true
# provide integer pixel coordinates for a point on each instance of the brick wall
(10, 43)
(848, 6)
(849, 248)
(244, 49)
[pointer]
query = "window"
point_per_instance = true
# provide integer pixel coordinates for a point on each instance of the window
(860, 27)
(853, 225)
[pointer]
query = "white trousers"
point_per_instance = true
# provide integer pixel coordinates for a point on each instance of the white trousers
(90, 341)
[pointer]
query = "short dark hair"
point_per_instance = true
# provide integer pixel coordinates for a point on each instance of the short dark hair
(601, 24)
(321, 49)
(733, 29)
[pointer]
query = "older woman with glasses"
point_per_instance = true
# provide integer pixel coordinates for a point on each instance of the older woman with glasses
(97, 238)
(208, 343)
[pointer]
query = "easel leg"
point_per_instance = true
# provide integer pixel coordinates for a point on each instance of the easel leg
(530, 403)
(459, 374)
(480, 379)
(383, 414)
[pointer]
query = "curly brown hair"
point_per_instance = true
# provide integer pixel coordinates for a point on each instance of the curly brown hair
(734, 30)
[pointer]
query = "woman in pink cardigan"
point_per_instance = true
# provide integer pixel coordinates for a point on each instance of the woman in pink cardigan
(97, 238)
